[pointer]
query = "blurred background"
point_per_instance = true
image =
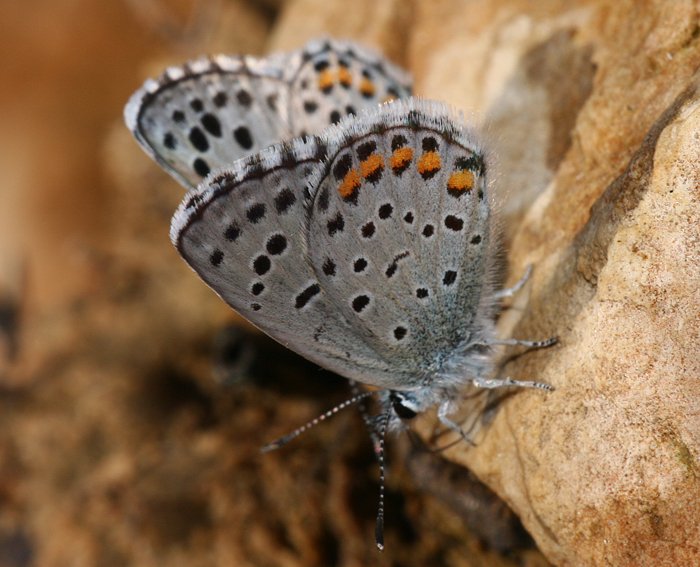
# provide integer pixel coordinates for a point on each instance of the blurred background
(132, 401)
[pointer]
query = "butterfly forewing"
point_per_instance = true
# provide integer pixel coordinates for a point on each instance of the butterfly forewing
(243, 233)
(210, 112)
(400, 209)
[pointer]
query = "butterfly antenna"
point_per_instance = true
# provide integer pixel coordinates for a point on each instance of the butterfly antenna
(276, 444)
(379, 528)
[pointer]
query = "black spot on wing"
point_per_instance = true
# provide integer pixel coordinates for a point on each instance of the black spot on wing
(262, 265)
(366, 149)
(256, 212)
(243, 136)
(276, 244)
(359, 303)
(329, 267)
(212, 125)
(454, 223)
(169, 141)
(385, 211)
(216, 258)
(305, 296)
(342, 166)
(220, 99)
(201, 167)
(336, 224)
(244, 99)
(284, 200)
(232, 232)
(198, 139)
(359, 265)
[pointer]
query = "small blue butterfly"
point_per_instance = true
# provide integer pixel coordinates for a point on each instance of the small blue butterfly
(369, 248)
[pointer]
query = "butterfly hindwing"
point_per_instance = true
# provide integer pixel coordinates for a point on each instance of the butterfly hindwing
(400, 209)
(331, 79)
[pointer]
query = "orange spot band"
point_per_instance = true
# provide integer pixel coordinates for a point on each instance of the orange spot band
(367, 87)
(350, 184)
(371, 165)
(461, 181)
(401, 157)
(325, 79)
(429, 162)
(345, 77)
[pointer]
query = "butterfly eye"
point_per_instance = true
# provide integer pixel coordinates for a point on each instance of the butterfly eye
(400, 408)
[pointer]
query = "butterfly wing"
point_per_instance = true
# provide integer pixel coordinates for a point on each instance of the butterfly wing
(331, 79)
(243, 232)
(208, 113)
(400, 211)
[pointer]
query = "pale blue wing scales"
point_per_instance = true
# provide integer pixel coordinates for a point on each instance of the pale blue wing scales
(206, 114)
(400, 208)
(243, 232)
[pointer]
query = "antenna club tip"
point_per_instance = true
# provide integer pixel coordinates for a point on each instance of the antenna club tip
(278, 443)
(379, 533)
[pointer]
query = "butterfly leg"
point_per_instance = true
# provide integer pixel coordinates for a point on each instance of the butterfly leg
(444, 409)
(519, 342)
(511, 291)
(491, 383)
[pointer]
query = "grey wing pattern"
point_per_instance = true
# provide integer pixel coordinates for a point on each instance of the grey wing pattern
(206, 114)
(331, 79)
(401, 211)
(243, 232)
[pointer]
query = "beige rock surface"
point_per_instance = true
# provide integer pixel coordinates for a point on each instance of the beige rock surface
(606, 470)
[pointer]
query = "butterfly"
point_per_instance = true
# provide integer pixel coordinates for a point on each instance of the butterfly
(369, 248)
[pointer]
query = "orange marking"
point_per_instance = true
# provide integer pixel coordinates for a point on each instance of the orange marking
(344, 76)
(387, 98)
(350, 184)
(325, 79)
(371, 165)
(461, 181)
(429, 162)
(367, 87)
(401, 157)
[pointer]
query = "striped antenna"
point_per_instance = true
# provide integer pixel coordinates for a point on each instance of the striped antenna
(282, 441)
